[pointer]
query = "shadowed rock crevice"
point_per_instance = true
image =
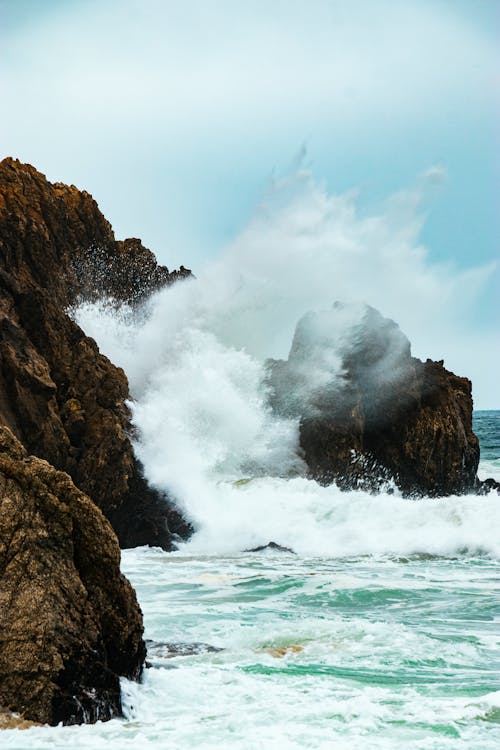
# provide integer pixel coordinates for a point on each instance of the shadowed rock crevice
(61, 397)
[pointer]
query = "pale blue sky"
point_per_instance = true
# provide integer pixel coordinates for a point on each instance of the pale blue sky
(175, 114)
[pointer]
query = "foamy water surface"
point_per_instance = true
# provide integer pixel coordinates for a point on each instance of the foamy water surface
(382, 629)
(376, 651)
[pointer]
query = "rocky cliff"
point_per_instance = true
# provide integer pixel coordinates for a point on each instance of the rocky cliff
(60, 397)
(371, 415)
(70, 624)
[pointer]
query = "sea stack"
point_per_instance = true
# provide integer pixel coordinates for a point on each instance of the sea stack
(371, 415)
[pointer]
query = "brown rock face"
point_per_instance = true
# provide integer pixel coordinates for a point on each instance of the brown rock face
(61, 398)
(70, 624)
(9, 720)
(370, 412)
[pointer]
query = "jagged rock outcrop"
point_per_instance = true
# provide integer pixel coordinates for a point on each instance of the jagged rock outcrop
(274, 546)
(61, 398)
(370, 413)
(70, 624)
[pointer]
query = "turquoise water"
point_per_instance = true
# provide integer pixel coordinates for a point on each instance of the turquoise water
(379, 652)
(386, 648)
(487, 428)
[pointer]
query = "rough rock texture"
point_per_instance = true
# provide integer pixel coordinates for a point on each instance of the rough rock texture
(61, 398)
(372, 414)
(9, 720)
(69, 620)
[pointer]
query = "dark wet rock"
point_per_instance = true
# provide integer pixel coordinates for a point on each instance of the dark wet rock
(371, 415)
(59, 395)
(161, 650)
(70, 624)
(124, 270)
(270, 546)
(488, 485)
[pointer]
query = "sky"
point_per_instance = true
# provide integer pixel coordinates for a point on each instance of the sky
(176, 116)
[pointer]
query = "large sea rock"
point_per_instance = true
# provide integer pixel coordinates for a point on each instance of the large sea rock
(59, 395)
(70, 624)
(371, 415)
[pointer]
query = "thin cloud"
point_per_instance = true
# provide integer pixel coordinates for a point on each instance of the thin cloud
(436, 174)
(166, 64)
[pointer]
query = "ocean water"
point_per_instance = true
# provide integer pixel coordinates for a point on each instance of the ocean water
(382, 628)
(385, 636)
(487, 428)
(380, 651)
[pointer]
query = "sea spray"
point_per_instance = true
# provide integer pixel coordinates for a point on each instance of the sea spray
(303, 250)
(195, 358)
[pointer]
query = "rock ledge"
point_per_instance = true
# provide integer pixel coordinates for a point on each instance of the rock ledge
(70, 623)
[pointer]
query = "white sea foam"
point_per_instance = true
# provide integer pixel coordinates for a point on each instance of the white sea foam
(489, 468)
(195, 363)
(386, 654)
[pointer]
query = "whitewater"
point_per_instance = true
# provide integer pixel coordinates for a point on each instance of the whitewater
(382, 628)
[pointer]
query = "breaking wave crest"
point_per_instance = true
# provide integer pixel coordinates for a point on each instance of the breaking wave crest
(195, 360)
